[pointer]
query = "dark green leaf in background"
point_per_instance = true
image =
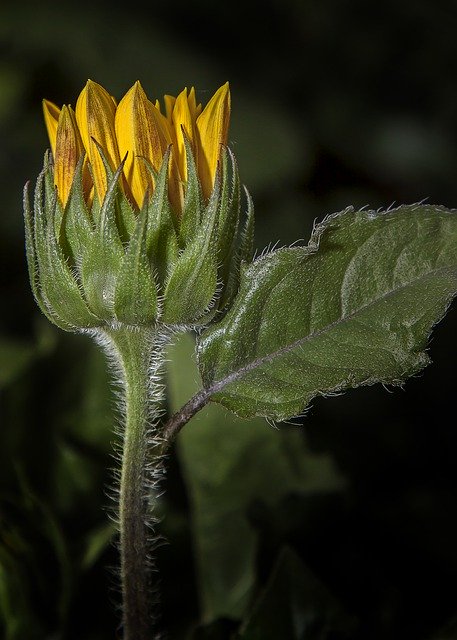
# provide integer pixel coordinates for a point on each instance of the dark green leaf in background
(229, 463)
(17, 356)
(355, 307)
(449, 632)
(295, 606)
(33, 554)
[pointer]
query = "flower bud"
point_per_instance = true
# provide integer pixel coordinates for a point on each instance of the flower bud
(161, 240)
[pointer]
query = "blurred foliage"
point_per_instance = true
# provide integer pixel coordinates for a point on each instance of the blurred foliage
(343, 528)
(216, 465)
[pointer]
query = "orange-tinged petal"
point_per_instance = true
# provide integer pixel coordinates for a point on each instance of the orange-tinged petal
(139, 134)
(51, 114)
(95, 112)
(68, 150)
(184, 125)
(175, 187)
(212, 127)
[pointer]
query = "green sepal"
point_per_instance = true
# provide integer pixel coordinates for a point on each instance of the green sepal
(135, 300)
(50, 189)
(242, 255)
(229, 209)
(193, 200)
(77, 229)
(102, 258)
(32, 264)
(192, 286)
(125, 215)
(229, 220)
(95, 209)
(246, 251)
(60, 291)
(39, 240)
(161, 239)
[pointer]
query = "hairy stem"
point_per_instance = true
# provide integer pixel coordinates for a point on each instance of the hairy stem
(139, 357)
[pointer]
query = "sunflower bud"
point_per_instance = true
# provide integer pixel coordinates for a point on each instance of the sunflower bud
(136, 215)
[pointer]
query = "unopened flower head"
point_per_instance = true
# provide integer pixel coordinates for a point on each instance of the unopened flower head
(137, 216)
(140, 132)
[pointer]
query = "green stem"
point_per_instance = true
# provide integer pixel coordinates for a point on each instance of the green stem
(138, 356)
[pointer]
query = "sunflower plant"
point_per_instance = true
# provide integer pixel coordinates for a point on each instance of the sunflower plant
(140, 230)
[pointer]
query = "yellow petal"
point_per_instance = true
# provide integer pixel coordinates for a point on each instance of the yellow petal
(191, 101)
(212, 127)
(139, 134)
(175, 186)
(51, 114)
(169, 104)
(166, 127)
(68, 150)
(184, 125)
(95, 111)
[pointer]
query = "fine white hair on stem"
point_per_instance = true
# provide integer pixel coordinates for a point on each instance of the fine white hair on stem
(152, 412)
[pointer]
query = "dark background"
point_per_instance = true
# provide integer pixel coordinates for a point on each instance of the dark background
(334, 103)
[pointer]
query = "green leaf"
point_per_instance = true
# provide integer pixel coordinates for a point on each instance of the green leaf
(96, 543)
(228, 464)
(222, 629)
(85, 435)
(354, 307)
(16, 356)
(295, 606)
(35, 568)
(449, 632)
(17, 620)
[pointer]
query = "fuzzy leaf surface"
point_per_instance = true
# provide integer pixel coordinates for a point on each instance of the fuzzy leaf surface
(354, 307)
